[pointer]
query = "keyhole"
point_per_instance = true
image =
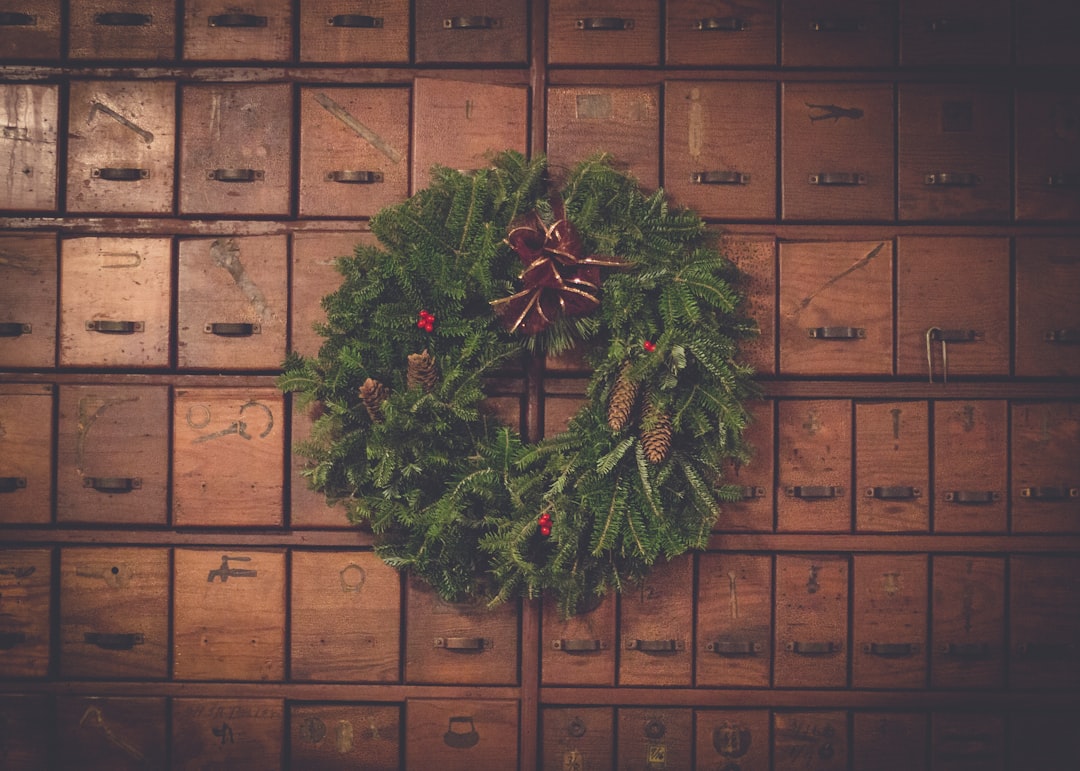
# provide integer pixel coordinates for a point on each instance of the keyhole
(115, 570)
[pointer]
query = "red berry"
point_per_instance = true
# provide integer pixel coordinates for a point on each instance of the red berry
(545, 529)
(649, 346)
(428, 326)
(420, 324)
(544, 519)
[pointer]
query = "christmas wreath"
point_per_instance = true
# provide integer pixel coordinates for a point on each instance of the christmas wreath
(473, 275)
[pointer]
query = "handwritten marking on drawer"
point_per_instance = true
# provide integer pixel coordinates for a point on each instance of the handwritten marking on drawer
(696, 130)
(94, 719)
(820, 112)
(594, 107)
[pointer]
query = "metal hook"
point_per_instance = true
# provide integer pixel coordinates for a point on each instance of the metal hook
(930, 352)
(930, 334)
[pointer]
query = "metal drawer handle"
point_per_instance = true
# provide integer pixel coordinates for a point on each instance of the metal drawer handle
(955, 335)
(893, 493)
(106, 327)
(462, 643)
(838, 25)
(15, 329)
(471, 22)
(355, 177)
(965, 650)
(119, 19)
(837, 333)
(114, 641)
(813, 648)
(719, 178)
(230, 329)
(952, 26)
(1063, 336)
(952, 179)
(734, 647)
(120, 174)
(1046, 650)
(113, 484)
(892, 650)
(9, 640)
(655, 646)
(1063, 179)
(749, 492)
(236, 175)
(604, 24)
(723, 24)
(11, 484)
(972, 497)
(237, 20)
(355, 21)
(814, 492)
(578, 646)
(837, 179)
(1048, 493)
(17, 19)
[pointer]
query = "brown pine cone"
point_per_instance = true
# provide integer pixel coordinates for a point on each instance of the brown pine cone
(656, 441)
(422, 372)
(621, 403)
(373, 393)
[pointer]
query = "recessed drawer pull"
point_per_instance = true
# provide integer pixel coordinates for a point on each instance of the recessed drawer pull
(1063, 179)
(119, 19)
(723, 24)
(837, 333)
(1046, 650)
(471, 22)
(355, 21)
(231, 329)
(892, 650)
(734, 647)
(15, 329)
(972, 497)
(113, 484)
(1063, 336)
(719, 178)
(893, 493)
(604, 23)
(106, 327)
(462, 643)
(837, 179)
(11, 484)
(1049, 493)
(813, 648)
(578, 646)
(15, 132)
(838, 25)
(952, 26)
(120, 174)
(236, 175)
(750, 492)
(955, 335)
(965, 650)
(355, 177)
(952, 179)
(17, 19)
(114, 641)
(9, 640)
(237, 20)
(814, 492)
(655, 646)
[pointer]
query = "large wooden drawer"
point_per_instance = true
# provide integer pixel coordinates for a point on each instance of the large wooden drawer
(728, 738)
(1044, 628)
(227, 732)
(1047, 314)
(31, 30)
(1045, 473)
(579, 649)
(754, 477)
(1047, 155)
(345, 737)
(114, 732)
(811, 621)
(814, 465)
(28, 295)
(971, 467)
(577, 738)
(464, 735)
(656, 621)
(968, 622)
(734, 620)
(28, 118)
(890, 616)
(892, 466)
(26, 448)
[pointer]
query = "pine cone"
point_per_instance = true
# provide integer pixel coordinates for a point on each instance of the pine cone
(422, 372)
(621, 404)
(656, 441)
(374, 394)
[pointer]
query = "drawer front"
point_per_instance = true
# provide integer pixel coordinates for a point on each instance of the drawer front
(230, 624)
(258, 30)
(28, 721)
(836, 308)
(1046, 33)
(957, 318)
(813, 493)
(113, 454)
(966, 740)
(650, 738)
(890, 741)
(954, 153)
(837, 152)
(314, 276)
(1047, 155)
(1043, 640)
(892, 467)
(121, 147)
(345, 619)
(459, 31)
(703, 33)
(807, 740)
(560, 408)
(837, 33)
(754, 477)
(1047, 314)
(235, 149)
(734, 620)
(577, 738)
(28, 292)
(345, 737)
(1045, 484)
(25, 604)
(720, 148)
(117, 732)
(233, 302)
(955, 32)
(1043, 740)
(26, 448)
(971, 466)
(115, 302)
(579, 649)
(968, 648)
(656, 623)
(602, 32)
(309, 508)
(227, 733)
(755, 257)
(890, 617)
(623, 121)
(122, 29)
(811, 621)
(32, 31)
(354, 150)
(339, 31)
(464, 735)
(228, 456)
(28, 120)
(732, 739)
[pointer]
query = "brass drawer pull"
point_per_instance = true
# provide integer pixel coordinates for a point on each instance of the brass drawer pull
(1063, 179)
(113, 484)
(837, 179)
(952, 26)
(965, 650)
(106, 327)
(355, 21)
(952, 179)
(462, 643)
(11, 484)
(1049, 493)
(813, 648)
(972, 497)
(1063, 336)
(237, 20)
(236, 175)
(836, 333)
(893, 493)
(9, 640)
(120, 174)
(734, 647)
(955, 335)
(655, 646)
(814, 492)
(119, 19)
(723, 24)
(578, 646)
(17, 19)
(719, 178)
(355, 177)
(604, 24)
(15, 329)
(1046, 650)
(471, 22)
(229, 329)
(838, 25)
(114, 641)
(750, 492)
(892, 650)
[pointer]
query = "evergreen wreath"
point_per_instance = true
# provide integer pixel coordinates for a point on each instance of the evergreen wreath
(474, 274)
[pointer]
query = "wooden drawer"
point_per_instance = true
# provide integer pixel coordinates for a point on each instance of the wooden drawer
(754, 477)
(28, 119)
(125, 732)
(836, 308)
(315, 275)
(252, 30)
(837, 152)
(654, 737)
(955, 32)
(25, 608)
(890, 613)
(121, 147)
(604, 32)
(837, 33)
(29, 30)
(968, 622)
(26, 447)
(954, 152)
(345, 737)
(113, 454)
(333, 31)
(811, 621)
(732, 739)
(813, 491)
(959, 317)
(1044, 637)
(622, 121)
(734, 620)
(1047, 155)
(459, 31)
(28, 291)
(1046, 33)
(235, 149)
(122, 29)
(465, 735)
(810, 740)
(1043, 740)
(656, 624)
(892, 466)
(1045, 475)
(970, 466)
(579, 649)
(345, 619)
(720, 148)
(354, 150)
(28, 720)
(229, 625)
(483, 119)
(464, 642)
(233, 302)
(307, 507)
(560, 409)
(227, 733)
(1047, 314)
(755, 257)
(965, 740)
(889, 741)
(577, 738)
(704, 33)
(228, 456)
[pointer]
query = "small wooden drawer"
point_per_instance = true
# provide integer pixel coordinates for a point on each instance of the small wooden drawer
(29, 29)
(251, 30)
(28, 292)
(1047, 155)
(28, 121)
(345, 737)
(968, 622)
(26, 448)
(804, 739)
(837, 33)
(654, 737)
(955, 32)
(579, 649)
(971, 467)
(604, 32)
(314, 276)
(754, 477)
(656, 621)
(966, 740)
(755, 257)
(813, 492)
(28, 721)
(122, 29)
(892, 466)
(577, 738)
(232, 733)
(727, 737)
(309, 508)
(463, 734)
(26, 589)
(728, 32)
(114, 732)
(344, 32)
(456, 31)
(1045, 483)
(890, 616)
(1044, 629)
(734, 620)
(811, 621)
(1047, 314)
(890, 741)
